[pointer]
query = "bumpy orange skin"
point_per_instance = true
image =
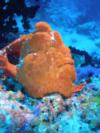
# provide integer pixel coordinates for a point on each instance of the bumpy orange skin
(48, 67)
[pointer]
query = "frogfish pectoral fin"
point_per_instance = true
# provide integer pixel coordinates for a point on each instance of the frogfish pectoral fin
(78, 88)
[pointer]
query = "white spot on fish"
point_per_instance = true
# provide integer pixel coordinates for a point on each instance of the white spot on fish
(35, 54)
(52, 36)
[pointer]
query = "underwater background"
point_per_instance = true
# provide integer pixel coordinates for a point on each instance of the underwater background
(78, 22)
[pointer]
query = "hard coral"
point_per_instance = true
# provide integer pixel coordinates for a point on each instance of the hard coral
(48, 67)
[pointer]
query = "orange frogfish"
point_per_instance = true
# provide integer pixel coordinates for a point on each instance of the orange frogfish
(47, 65)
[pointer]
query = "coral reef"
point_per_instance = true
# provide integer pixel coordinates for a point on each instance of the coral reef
(78, 21)
(13, 114)
(51, 113)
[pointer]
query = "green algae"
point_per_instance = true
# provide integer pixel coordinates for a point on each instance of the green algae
(97, 100)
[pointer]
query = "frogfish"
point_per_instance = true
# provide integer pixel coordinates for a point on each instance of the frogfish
(45, 65)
